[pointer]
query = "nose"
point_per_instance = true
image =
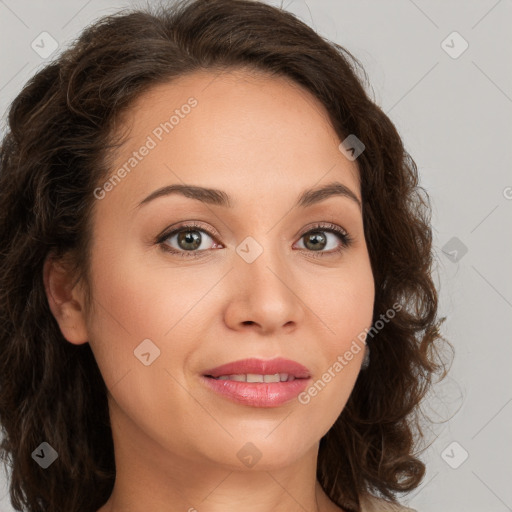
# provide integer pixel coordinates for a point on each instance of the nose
(265, 294)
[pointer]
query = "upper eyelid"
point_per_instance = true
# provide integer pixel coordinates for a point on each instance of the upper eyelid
(186, 225)
(328, 226)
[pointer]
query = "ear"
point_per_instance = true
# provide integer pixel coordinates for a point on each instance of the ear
(65, 299)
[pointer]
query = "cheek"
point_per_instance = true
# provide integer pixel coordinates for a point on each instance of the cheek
(138, 297)
(125, 310)
(135, 302)
(347, 302)
(346, 309)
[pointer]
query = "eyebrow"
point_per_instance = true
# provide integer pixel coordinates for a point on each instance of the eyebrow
(217, 197)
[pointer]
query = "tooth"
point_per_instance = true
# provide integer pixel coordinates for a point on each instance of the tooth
(253, 377)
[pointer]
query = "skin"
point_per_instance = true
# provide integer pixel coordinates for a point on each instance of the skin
(262, 140)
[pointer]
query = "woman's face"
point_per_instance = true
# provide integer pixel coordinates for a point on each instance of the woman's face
(243, 283)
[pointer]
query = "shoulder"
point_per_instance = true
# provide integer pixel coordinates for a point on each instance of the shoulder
(373, 504)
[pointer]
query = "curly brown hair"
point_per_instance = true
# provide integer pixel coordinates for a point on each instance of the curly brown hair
(55, 153)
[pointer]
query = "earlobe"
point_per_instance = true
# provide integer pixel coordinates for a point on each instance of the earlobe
(65, 300)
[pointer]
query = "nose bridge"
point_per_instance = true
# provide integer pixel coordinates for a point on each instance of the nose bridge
(264, 277)
(261, 260)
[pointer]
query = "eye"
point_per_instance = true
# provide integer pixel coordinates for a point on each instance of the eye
(186, 240)
(191, 240)
(316, 239)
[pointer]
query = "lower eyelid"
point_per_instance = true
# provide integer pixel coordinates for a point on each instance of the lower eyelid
(172, 234)
(342, 235)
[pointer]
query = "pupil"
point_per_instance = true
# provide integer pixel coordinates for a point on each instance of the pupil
(189, 237)
(314, 240)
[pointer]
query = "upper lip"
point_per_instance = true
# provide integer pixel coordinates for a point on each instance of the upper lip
(260, 367)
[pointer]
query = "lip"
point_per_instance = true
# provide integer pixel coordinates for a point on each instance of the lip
(262, 367)
(256, 394)
(271, 394)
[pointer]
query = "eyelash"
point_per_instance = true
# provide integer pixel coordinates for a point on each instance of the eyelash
(345, 238)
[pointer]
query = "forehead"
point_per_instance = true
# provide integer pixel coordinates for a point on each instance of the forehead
(232, 129)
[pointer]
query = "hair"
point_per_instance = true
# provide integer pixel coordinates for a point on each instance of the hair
(61, 133)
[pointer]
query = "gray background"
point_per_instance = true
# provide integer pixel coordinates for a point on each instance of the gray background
(454, 115)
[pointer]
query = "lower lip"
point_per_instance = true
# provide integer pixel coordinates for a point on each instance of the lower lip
(258, 394)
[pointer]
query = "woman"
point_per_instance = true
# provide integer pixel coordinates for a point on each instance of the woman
(215, 274)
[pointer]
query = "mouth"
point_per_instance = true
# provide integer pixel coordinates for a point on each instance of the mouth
(257, 382)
